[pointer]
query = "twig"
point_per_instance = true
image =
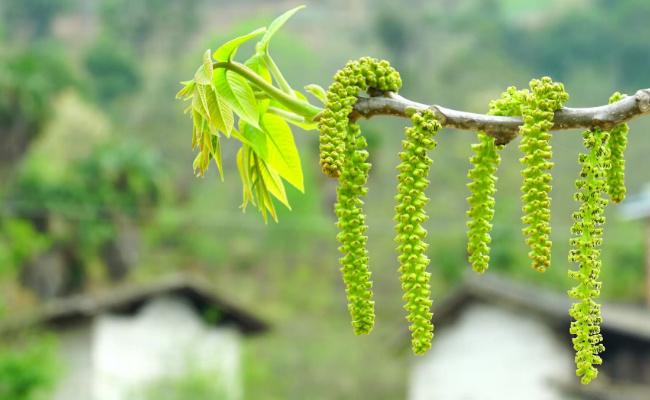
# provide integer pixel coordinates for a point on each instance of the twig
(505, 129)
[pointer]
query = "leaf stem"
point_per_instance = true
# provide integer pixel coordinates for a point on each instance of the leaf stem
(300, 107)
(275, 71)
(289, 116)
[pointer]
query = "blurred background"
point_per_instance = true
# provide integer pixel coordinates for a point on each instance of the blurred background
(109, 246)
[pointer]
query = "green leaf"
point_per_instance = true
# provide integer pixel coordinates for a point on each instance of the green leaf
(244, 171)
(263, 45)
(238, 94)
(202, 95)
(256, 64)
(201, 76)
(228, 50)
(275, 145)
(189, 88)
(207, 65)
(197, 105)
(317, 91)
(273, 182)
(221, 117)
(216, 154)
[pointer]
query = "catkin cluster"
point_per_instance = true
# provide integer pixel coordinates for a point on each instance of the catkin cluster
(537, 111)
(356, 274)
(341, 96)
(481, 202)
(586, 312)
(413, 171)
(342, 156)
(616, 143)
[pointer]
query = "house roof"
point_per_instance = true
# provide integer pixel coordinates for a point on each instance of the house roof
(129, 298)
(625, 319)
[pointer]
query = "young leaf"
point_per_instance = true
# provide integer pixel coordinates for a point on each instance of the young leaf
(203, 75)
(228, 50)
(198, 106)
(238, 94)
(317, 91)
(207, 65)
(275, 145)
(273, 28)
(201, 89)
(244, 171)
(189, 88)
(273, 182)
(216, 153)
(220, 113)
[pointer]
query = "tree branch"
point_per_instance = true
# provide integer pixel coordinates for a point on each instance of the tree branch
(505, 129)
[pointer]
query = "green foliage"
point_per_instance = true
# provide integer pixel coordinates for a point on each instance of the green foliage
(268, 152)
(413, 172)
(29, 80)
(148, 19)
(19, 242)
(537, 112)
(32, 17)
(113, 69)
(29, 371)
(116, 180)
(586, 312)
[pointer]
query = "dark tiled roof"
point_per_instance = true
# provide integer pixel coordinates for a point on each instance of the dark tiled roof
(626, 319)
(130, 297)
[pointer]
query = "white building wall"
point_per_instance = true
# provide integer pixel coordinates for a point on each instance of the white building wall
(76, 377)
(165, 339)
(490, 353)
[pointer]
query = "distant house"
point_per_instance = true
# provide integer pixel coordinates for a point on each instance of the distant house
(495, 339)
(116, 343)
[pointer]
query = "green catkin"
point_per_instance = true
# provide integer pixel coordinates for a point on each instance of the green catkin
(537, 111)
(356, 274)
(481, 201)
(413, 170)
(342, 156)
(586, 312)
(616, 143)
(485, 165)
(341, 96)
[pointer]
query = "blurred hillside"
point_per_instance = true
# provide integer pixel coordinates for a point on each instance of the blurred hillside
(96, 184)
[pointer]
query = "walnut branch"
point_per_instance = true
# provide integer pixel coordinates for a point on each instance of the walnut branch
(505, 129)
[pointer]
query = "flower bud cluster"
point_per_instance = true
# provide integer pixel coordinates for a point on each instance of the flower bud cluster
(410, 215)
(586, 312)
(341, 96)
(616, 143)
(537, 112)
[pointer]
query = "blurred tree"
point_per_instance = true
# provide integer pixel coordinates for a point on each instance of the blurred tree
(29, 80)
(168, 20)
(113, 69)
(592, 34)
(32, 19)
(30, 370)
(83, 213)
